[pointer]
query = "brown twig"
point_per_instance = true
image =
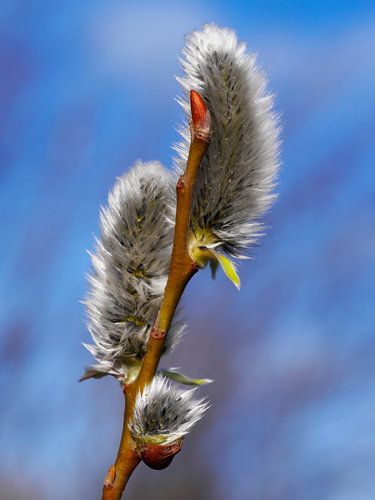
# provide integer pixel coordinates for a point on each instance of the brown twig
(181, 271)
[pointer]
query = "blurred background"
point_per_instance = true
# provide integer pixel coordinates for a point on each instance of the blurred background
(87, 88)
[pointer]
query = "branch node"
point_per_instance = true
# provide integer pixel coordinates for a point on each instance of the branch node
(180, 184)
(158, 334)
(111, 476)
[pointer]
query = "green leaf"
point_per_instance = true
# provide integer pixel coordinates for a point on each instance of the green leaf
(229, 269)
(184, 379)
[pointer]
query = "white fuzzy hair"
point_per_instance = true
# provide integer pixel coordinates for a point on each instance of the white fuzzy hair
(165, 412)
(237, 175)
(131, 265)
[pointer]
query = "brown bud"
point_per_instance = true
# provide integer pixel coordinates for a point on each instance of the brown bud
(159, 456)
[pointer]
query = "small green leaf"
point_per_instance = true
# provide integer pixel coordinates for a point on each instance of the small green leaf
(227, 266)
(183, 379)
(229, 269)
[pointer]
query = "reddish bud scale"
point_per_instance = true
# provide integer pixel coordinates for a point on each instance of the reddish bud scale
(200, 117)
(198, 108)
(158, 456)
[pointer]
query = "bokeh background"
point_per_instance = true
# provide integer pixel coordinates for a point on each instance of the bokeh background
(87, 88)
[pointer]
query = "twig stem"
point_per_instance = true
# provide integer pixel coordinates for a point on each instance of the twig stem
(182, 269)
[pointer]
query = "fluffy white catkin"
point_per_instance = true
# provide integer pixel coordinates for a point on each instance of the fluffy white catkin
(164, 414)
(237, 175)
(131, 265)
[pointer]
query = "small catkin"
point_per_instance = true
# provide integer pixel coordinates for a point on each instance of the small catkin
(164, 414)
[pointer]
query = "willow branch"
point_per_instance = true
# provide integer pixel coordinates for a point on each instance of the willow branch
(182, 269)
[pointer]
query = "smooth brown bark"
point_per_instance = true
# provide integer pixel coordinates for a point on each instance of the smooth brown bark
(182, 269)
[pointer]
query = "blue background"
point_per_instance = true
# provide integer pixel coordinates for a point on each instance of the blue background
(86, 88)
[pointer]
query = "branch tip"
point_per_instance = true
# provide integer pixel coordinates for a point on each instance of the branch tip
(200, 117)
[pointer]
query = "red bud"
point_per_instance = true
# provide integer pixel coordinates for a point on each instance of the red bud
(158, 456)
(200, 117)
